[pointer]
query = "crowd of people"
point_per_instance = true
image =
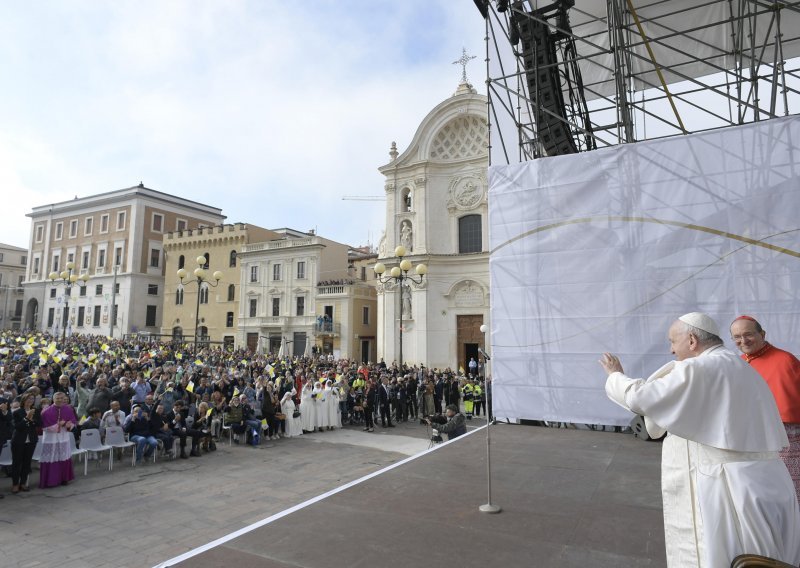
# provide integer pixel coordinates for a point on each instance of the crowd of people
(167, 398)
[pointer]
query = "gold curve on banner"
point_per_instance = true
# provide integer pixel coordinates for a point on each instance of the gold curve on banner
(692, 226)
(746, 240)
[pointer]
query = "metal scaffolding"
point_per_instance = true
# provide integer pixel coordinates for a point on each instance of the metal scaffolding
(633, 70)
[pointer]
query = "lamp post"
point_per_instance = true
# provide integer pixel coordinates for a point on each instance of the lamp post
(200, 277)
(400, 277)
(67, 278)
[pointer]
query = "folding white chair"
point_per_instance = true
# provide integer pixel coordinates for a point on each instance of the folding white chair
(5, 454)
(228, 428)
(115, 437)
(84, 454)
(90, 441)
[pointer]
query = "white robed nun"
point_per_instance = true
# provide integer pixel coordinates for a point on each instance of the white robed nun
(294, 426)
(332, 405)
(320, 401)
(308, 415)
(725, 490)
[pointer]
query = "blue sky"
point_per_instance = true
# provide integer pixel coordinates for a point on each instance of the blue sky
(271, 110)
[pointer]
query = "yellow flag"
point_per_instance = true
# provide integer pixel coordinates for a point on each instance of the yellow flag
(210, 410)
(105, 347)
(28, 349)
(57, 358)
(82, 420)
(146, 373)
(179, 356)
(264, 422)
(235, 391)
(271, 371)
(461, 369)
(31, 340)
(92, 357)
(198, 362)
(190, 387)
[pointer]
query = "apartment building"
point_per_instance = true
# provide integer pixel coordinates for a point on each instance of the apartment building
(12, 273)
(116, 240)
(210, 306)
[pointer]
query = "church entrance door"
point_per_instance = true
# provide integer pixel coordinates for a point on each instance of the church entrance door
(468, 338)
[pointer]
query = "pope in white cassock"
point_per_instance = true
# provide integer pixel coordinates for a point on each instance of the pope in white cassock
(725, 490)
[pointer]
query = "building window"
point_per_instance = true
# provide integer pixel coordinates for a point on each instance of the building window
(365, 315)
(208, 260)
(56, 261)
(181, 261)
(232, 259)
(73, 228)
(85, 260)
(36, 265)
(59, 231)
(116, 288)
(23, 260)
(276, 271)
(203, 294)
(104, 223)
(254, 274)
(150, 317)
(21, 279)
(81, 315)
(155, 258)
(231, 292)
(363, 273)
(152, 289)
(98, 290)
(253, 307)
(301, 305)
(229, 320)
(88, 226)
(52, 292)
(180, 225)
(118, 256)
(71, 257)
(96, 317)
(51, 316)
(469, 234)
(158, 222)
(276, 307)
(82, 291)
(39, 233)
(101, 258)
(406, 199)
(121, 221)
(301, 270)
(179, 297)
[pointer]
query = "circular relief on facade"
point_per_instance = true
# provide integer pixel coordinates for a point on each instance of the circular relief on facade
(467, 192)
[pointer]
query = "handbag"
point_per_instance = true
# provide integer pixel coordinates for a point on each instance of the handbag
(280, 416)
(296, 414)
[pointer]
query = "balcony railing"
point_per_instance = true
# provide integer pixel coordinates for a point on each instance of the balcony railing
(281, 244)
(327, 328)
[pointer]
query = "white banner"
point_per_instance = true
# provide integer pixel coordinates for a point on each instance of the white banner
(601, 251)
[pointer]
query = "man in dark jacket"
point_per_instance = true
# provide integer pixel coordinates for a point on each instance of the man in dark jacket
(454, 425)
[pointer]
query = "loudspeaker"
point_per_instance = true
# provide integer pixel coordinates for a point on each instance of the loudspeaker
(544, 87)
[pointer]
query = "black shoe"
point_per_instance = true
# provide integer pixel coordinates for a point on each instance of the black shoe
(184, 456)
(391, 425)
(195, 453)
(212, 446)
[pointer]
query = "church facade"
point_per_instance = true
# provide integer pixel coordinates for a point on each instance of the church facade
(437, 208)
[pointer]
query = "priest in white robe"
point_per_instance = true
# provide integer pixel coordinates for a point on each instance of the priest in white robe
(725, 490)
(320, 406)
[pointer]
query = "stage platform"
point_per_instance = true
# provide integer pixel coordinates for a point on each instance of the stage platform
(569, 498)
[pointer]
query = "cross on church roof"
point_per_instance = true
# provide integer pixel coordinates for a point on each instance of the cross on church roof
(463, 60)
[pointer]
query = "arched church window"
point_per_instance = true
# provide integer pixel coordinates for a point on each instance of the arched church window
(469, 234)
(405, 197)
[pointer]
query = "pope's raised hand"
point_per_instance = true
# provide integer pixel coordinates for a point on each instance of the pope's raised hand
(611, 363)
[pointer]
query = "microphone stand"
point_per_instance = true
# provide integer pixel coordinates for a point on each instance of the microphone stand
(488, 507)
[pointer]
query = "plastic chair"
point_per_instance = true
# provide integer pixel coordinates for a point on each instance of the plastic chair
(90, 441)
(228, 428)
(115, 437)
(5, 454)
(75, 452)
(37, 451)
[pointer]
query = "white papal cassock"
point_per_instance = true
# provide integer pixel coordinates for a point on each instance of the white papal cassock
(725, 490)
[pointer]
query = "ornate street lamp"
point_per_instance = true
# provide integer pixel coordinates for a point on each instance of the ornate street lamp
(399, 276)
(67, 279)
(200, 277)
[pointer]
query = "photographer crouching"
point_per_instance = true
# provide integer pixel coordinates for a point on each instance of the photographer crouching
(453, 423)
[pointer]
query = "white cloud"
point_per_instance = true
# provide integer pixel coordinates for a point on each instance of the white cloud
(270, 110)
